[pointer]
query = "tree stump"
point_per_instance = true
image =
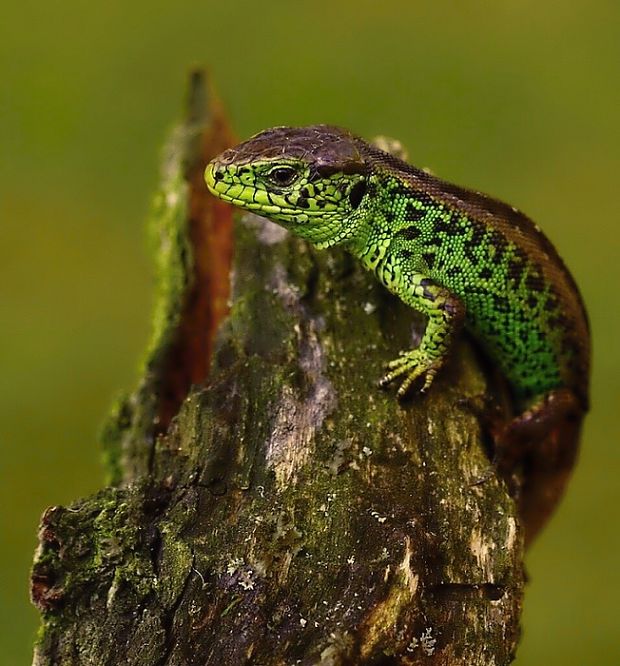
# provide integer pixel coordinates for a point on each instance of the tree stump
(268, 504)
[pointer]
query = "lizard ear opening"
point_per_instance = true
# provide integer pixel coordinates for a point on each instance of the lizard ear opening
(357, 193)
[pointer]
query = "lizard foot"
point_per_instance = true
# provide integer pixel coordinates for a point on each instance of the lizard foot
(411, 365)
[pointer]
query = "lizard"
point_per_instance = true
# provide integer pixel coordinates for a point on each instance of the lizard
(460, 257)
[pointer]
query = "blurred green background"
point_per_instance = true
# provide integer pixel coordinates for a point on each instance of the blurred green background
(519, 99)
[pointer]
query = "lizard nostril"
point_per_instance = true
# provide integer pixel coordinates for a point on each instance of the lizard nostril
(218, 175)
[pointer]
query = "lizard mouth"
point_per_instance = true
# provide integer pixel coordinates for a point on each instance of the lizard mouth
(245, 196)
(222, 190)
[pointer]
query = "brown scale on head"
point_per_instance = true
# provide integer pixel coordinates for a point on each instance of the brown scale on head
(321, 146)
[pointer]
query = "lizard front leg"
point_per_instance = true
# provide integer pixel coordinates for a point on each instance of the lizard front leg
(445, 314)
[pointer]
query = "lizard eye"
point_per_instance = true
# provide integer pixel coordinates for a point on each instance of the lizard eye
(283, 176)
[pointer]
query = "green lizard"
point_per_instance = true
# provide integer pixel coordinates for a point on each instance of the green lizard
(458, 256)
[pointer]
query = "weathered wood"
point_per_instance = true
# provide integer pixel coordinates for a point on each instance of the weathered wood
(279, 508)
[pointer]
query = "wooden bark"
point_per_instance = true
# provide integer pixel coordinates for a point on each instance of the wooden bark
(268, 504)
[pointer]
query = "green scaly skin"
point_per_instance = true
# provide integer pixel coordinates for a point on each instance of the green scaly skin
(457, 256)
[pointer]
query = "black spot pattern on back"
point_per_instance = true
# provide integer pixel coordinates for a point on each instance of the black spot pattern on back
(408, 233)
(429, 259)
(440, 225)
(413, 214)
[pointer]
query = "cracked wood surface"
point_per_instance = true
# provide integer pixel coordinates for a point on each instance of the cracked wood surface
(280, 509)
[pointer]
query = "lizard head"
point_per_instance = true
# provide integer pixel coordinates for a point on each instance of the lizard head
(311, 180)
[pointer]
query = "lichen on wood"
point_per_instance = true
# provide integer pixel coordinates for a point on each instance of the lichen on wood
(271, 505)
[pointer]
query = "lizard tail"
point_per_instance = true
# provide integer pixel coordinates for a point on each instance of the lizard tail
(547, 470)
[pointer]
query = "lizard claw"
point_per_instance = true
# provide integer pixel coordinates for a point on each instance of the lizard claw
(412, 364)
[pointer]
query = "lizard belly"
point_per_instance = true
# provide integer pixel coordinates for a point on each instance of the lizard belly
(518, 342)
